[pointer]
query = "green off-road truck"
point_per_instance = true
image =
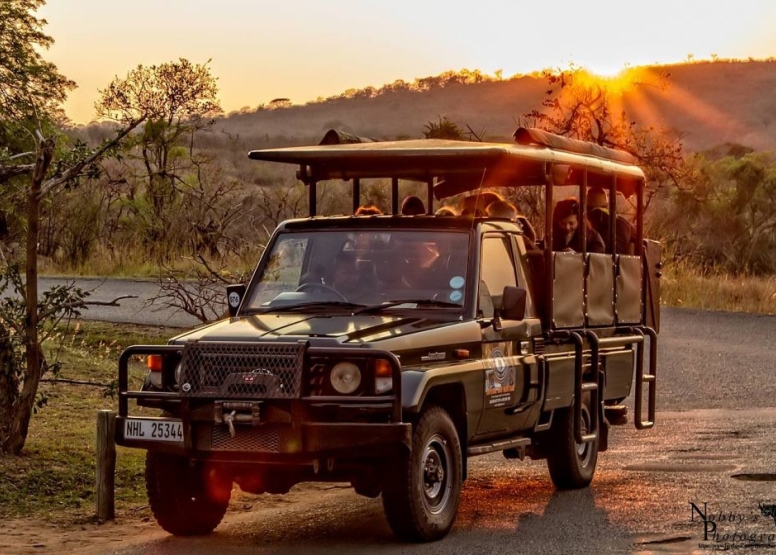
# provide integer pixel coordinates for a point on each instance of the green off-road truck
(385, 350)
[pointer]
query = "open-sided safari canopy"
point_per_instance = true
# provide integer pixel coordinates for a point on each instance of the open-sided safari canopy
(450, 167)
(537, 158)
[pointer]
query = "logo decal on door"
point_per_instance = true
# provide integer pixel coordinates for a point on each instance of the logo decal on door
(499, 380)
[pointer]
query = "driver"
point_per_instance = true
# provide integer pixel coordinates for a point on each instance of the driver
(348, 277)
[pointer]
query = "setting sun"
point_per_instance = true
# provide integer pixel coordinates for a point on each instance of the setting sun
(616, 83)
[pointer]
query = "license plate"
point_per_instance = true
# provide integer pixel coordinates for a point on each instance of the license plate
(153, 430)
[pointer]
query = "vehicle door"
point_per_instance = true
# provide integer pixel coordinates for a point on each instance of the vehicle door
(511, 378)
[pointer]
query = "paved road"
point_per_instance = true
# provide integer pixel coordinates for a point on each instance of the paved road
(134, 311)
(713, 447)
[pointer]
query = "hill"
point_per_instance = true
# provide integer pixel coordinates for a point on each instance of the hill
(707, 103)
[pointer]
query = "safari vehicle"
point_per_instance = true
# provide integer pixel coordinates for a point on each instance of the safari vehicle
(385, 350)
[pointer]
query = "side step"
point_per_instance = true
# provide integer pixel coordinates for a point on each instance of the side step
(519, 444)
(616, 415)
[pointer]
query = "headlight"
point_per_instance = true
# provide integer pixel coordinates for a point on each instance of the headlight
(178, 372)
(345, 377)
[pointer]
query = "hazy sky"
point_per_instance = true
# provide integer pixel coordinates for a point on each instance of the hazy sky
(303, 49)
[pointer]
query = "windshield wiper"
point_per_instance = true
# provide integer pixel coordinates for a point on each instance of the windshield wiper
(317, 304)
(421, 303)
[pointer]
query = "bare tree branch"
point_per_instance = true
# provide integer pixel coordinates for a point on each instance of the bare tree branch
(22, 155)
(51, 184)
(83, 304)
(9, 172)
(75, 382)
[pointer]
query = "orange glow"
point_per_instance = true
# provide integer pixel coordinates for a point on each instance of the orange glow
(383, 368)
(154, 363)
(615, 84)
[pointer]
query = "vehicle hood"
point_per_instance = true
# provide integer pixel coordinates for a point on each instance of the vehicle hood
(345, 328)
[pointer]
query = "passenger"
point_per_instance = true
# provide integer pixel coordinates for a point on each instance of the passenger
(446, 211)
(598, 216)
(412, 206)
(501, 209)
(477, 203)
(368, 210)
(505, 209)
(566, 234)
(472, 213)
(408, 265)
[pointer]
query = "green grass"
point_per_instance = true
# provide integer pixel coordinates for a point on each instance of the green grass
(54, 478)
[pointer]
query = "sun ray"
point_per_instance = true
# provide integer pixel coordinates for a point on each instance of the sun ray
(680, 106)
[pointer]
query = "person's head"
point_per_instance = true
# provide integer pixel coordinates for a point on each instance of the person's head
(596, 198)
(479, 202)
(412, 206)
(446, 211)
(345, 276)
(370, 210)
(565, 217)
(472, 213)
(502, 209)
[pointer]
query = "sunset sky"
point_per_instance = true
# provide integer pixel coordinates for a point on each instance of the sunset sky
(303, 49)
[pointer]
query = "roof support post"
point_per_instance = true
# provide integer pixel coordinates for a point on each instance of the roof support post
(312, 197)
(548, 229)
(583, 211)
(356, 194)
(640, 218)
(430, 195)
(394, 195)
(613, 214)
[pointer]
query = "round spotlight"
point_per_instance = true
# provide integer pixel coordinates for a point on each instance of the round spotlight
(345, 377)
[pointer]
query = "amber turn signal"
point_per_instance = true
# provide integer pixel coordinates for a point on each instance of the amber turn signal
(383, 368)
(154, 363)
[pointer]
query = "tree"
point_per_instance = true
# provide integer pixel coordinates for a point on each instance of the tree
(28, 83)
(444, 128)
(180, 100)
(582, 106)
(724, 214)
(31, 91)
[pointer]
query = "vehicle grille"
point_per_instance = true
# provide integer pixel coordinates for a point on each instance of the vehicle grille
(265, 438)
(242, 370)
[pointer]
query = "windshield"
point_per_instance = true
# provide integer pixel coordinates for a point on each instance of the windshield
(355, 269)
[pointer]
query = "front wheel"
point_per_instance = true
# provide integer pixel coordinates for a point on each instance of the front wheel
(421, 496)
(571, 464)
(186, 499)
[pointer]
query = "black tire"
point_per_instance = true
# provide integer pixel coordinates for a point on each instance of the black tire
(572, 465)
(423, 491)
(186, 499)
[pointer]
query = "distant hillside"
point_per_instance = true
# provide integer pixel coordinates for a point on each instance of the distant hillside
(707, 103)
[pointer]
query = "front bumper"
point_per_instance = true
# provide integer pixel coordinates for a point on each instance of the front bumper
(283, 430)
(281, 442)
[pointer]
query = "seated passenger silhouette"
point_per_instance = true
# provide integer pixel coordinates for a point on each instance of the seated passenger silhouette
(567, 229)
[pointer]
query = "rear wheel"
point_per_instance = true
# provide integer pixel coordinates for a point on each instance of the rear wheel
(186, 499)
(422, 495)
(571, 464)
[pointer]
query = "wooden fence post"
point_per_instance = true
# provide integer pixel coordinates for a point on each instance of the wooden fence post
(106, 464)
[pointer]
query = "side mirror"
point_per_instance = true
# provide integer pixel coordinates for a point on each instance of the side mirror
(234, 296)
(513, 303)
